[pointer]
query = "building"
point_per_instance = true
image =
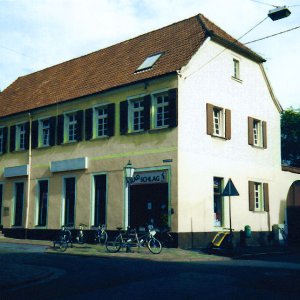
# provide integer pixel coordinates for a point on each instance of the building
(187, 104)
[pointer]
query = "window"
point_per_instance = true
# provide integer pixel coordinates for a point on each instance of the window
(100, 121)
(69, 127)
(236, 69)
(257, 133)
(136, 116)
(149, 62)
(45, 132)
(42, 203)
(155, 111)
(258, 196)
(218, 201)
(99, 200)
(20, 137)
(18, 203)
(69, 201)
(161, 110)
(218, 121)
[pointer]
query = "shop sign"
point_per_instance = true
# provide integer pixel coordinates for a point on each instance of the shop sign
(149, 178)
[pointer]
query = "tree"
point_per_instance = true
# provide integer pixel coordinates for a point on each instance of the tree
(290, 137)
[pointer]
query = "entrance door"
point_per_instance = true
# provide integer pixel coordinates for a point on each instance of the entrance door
(148, 205)
(293, 212)
(19, 202)
(69, 205)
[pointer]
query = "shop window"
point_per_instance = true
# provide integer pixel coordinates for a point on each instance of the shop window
(18, 203)
(218, 202)
(99, 200)
(69, 201)
(218, 121)
(42, 204)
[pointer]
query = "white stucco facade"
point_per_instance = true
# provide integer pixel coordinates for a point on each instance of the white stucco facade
(208, 79)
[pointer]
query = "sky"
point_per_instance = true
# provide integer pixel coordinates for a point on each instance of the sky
(36, 34)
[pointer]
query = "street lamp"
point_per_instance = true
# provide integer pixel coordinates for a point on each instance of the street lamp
(129, 171)
(279, 13)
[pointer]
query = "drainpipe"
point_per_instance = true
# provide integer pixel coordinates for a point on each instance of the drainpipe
(29, 177)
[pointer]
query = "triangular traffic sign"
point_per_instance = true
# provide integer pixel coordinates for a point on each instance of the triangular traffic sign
(230, 189)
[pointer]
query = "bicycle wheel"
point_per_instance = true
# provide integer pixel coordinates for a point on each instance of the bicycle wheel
(154, 245)
(103, 238)
(114, 246)
(62, 246)
(80, 239)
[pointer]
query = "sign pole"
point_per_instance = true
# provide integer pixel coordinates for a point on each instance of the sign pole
(230, 227)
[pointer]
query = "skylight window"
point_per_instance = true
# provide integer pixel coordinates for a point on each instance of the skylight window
(149, 62)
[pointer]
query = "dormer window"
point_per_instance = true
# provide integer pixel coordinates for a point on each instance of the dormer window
(149, 62)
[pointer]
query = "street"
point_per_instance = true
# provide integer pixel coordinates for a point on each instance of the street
(83, 277)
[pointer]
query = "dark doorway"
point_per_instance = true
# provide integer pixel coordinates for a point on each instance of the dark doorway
(1, 201)
(19, 202)
(69, 217)
(148, 205)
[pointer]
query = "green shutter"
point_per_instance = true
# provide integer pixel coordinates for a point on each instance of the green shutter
(123, 117)
(79, 125)
(35, 134)
(111, 119)
(12, 142)
(173, 102)
(266, 197)
(4, 147)
(147, 112)
(52, 125)
(60, 130)
(88, 124)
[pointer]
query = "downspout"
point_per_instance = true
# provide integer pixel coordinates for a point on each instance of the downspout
(29, 177)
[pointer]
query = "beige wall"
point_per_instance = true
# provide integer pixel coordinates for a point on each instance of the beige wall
(108, 155)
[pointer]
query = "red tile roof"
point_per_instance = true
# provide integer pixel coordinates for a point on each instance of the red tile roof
(115, 66)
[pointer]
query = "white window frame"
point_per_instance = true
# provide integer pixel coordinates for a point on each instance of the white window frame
(100, 119)
(164, 106)
(136, 113)
(236, 69)
(20, 136)
(41, 133)
(257, 133)
(68, 125)
(219, 122)
(258, 196)
(1, 139)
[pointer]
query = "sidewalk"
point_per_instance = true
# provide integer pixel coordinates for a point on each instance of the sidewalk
(12, 277)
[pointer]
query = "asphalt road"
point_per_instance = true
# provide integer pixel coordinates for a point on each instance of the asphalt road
(77, 277)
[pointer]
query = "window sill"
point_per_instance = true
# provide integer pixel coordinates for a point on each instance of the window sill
(40, 227)
(218, 137)
(104, 137)
(237, 79)
(258, 147)
(157, 129)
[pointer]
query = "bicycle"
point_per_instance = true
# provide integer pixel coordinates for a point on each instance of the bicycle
(101, 235)
(64, 239)
(130, 238)
(166, 238)
(80, 237)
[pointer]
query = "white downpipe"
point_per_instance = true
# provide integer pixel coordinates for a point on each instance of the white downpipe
(29, 178)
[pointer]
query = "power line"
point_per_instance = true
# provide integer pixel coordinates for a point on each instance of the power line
(269, 36)
(1, 46)
(264, 3)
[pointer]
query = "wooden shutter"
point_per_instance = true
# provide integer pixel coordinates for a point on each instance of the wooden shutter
(251, 196)
(35, 134)
(12, 142)
(27, 129)
(52, 126)
(250, 131)
(123, 117)
(88, 124)
(227, 124)
(111, 119)
(173, 111)
(60, 130)
(79, 125)
(264, 133)
(147, 112)
(209, 119)
(4, 146)
(266, 196)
